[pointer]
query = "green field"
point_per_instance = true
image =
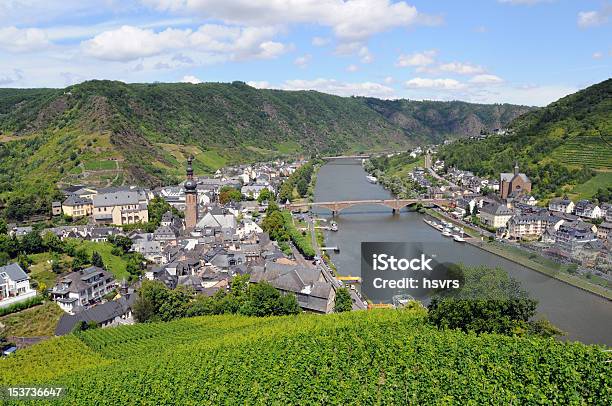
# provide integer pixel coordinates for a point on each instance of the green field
(368, 357)
(586, 190)
(116, 265)
(100, 165)
(36, 321)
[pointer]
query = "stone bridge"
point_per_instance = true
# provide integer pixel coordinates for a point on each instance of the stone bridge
(394, 204)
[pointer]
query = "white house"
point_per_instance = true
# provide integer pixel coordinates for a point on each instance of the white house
(82, 288)
(585, 208)
(14, 285)
(561, 204)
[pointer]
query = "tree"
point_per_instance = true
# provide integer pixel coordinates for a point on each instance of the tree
(52, 242)
(3, 227)
(302, 187)
(32, 243)
(121, 241)
(80, 259)
(151, 296)
(274, 225)
(343, 301)
(96, 259)
(265, 300)
(135, 264)
(265, 195)
(489, 301)
(228, 194)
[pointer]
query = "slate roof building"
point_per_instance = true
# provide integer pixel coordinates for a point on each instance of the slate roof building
(120, 207)
(112, 313)
(307, 284)
(515, 183)
(82, 288)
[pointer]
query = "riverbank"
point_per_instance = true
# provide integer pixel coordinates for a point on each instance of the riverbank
(523, 258)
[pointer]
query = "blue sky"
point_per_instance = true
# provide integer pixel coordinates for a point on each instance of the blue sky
(517, 51)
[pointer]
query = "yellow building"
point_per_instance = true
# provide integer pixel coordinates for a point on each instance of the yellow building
(76, 206)
(120, 208)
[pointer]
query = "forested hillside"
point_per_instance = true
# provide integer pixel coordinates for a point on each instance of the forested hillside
(562, 147)
(367, 357)
(110, 133)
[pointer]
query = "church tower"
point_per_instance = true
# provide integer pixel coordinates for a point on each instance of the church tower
(191, 198)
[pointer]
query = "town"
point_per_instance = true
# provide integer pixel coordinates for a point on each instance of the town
(210, 232)
(503, 210)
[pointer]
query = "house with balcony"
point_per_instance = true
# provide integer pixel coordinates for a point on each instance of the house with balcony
(14, 285)
(82, 289)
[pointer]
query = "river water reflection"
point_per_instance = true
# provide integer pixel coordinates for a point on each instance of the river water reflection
(584, 316)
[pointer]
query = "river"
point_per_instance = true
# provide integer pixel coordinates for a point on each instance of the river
(582, 315)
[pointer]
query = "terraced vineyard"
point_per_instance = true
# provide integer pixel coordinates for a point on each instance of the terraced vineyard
(374, 357)
(592, 151)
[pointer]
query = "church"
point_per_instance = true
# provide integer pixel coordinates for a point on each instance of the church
(514, 184)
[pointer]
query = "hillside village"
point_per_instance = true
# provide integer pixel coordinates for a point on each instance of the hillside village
(504, 209)
(211, 234)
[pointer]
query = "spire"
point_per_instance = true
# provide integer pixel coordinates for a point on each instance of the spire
(516, 168)
(189, 168)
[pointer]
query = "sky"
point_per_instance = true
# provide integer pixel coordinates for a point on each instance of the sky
(528, 52)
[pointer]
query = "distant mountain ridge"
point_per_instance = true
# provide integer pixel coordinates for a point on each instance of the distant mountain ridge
(109, 133)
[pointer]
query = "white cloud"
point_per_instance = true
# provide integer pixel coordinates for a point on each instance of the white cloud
(235, 43)
(365, 56)
(424, 58)
(352, 68)
(191, 79)
(485, 79)
(15, 39)
(302, 61)
(426, 83)
(320, 41)
(597, 55)
(349, 19)
(481, 29)
(389, 79)
(10, 78)
(461, 68)
(259, 84)
(128, 43)
(333, 86)
(588, 19)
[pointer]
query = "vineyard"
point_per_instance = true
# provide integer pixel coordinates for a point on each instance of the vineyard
(592, 151)
(374, 357)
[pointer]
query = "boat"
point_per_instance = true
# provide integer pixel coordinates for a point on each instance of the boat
(371, 179)
(458, 238)
(447, 233)
(439, 227)
(456, 229)
(333, 226)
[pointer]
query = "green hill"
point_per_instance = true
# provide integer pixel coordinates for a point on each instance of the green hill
(110, 133)
(560, 147)
(369, 357)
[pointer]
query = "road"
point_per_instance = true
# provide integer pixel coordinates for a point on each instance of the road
(434, 174)
(328, 273)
